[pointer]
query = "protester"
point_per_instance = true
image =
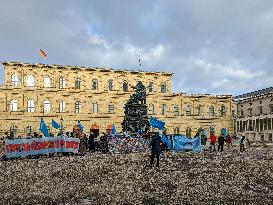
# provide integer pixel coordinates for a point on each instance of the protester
(242, 144)
(221, 141)
(212, 142)
(234, 140)
(203, 139)
(104, 143)
(83, 144)
(155, 152)
(91, 142)
(228, 141)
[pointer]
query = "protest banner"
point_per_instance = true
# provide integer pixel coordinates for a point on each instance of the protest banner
(35, 146)
(181, 143)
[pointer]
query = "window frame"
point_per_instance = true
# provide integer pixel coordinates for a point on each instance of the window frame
(78, 107)
(30, 105)
(12, 107)
(14, 80)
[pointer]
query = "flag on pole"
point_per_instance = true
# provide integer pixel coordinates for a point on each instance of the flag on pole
(43, 54)
(43, 128)
(80, 126)
(55, 124)
(114, 129)
(157, 123)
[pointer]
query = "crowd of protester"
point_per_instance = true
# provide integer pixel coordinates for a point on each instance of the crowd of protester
(100, 143)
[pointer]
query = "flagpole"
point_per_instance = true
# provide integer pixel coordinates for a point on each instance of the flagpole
(61, 126)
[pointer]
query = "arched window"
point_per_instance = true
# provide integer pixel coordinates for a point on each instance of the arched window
(125, 86)
(199, 110)
(30, 106)
(13, 105)
(47, 106)
(61, 106)
(176, 131)
(13, 130)
(188, 110)
(163, 88)
(94, 84)
(151, 87)
(47, 82)
(61, 82)
(151, 109)
(78, 107)
(211, 111)
(164, 109)
(111, 108)
(176, 110)
(110, 85)
(77, 83)
(14, 80)
(94, 107)
(30, 81)
(29, 130)
(188, 132)
(222, 110)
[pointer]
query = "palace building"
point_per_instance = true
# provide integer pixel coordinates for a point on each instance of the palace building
(96, 97)
(254, 115)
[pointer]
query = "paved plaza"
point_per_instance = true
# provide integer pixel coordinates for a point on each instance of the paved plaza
(230, 177)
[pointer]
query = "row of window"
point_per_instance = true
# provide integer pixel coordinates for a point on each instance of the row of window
(94, 84)
(94, 108)
(255, 125)
(250, 113)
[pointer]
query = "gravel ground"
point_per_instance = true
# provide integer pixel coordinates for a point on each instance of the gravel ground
(230, 177)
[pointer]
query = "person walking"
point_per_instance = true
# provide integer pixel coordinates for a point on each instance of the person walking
(242, 144)
(228, 141)
(221, 141)
(212, 142)
(155, 151)
(91, 142)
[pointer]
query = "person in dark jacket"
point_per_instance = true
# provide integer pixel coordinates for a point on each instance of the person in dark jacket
(91, 142)
(221, 141)
(242, 144)
(155, 143)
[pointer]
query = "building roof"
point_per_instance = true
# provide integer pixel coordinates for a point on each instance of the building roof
(257, 93)
(40, 65)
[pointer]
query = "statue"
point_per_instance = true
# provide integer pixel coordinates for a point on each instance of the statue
(135, 111)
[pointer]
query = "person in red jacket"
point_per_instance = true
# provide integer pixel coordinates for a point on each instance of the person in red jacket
(212, 142)
(228, 141)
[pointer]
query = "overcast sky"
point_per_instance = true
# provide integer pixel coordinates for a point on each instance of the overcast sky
(211, 46)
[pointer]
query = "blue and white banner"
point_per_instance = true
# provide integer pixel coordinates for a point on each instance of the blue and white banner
(35, 146)
(181, 143)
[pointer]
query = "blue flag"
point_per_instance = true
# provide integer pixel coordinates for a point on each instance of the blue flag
(156, 123)
(113, 129)
(55, 124)
(80, 126)
(43, 128)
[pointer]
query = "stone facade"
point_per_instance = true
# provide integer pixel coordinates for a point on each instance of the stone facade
(254, 115)
(96, 96)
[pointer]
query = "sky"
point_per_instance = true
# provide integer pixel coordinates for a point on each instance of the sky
(211, 46)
